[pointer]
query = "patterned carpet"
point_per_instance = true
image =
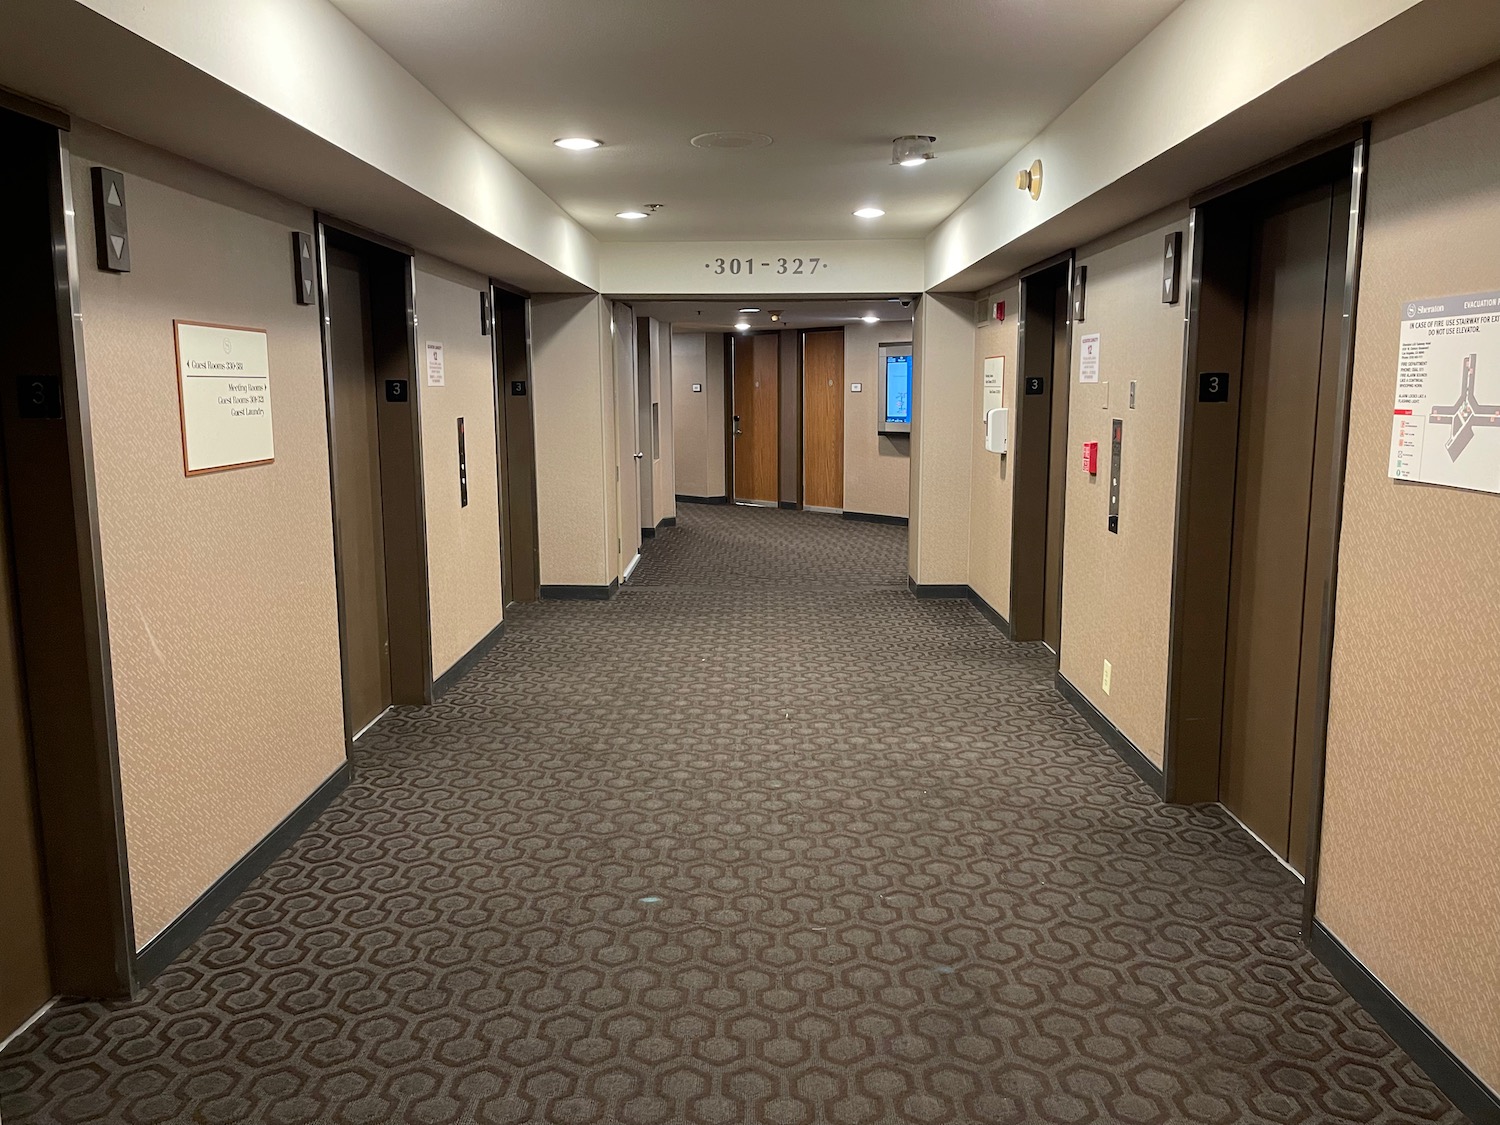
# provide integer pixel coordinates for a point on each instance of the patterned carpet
(764, 840)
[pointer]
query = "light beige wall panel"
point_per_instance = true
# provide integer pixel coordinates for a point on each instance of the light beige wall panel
(1410, 868)
(689, 414)
(463, 543)
(941, 446)
(572, 373)
(1117, 588)
(990, 481)
(223, 614)
(877, 468)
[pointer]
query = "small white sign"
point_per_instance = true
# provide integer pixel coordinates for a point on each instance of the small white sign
(224, 393)
(697, 388)
(994, 385)
(855, 388)
(434, 364)
(1088, 359)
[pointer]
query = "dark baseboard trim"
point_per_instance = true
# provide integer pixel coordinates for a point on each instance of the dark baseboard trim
(668, 521)
(1128, 751)
(788, 505)
(875, 517)
(467, 661)
(581, 593)
(936, 591)
(702, 499)
(994, 616)
(186, 928)
(1463, 1087)
(648, 533)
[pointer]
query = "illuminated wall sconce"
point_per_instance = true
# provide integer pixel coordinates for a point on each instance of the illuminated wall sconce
(1030, 179)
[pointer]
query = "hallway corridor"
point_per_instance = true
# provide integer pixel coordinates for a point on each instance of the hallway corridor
(764, 839)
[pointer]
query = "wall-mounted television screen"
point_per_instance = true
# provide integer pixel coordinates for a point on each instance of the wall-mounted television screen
(895, 389)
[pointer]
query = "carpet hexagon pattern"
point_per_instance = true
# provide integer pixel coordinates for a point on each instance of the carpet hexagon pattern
(763, 840)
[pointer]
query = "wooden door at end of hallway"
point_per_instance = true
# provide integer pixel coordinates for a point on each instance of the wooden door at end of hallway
(25, 973)
(756, 424)
(1282, 522)
(367, 658)
(823, 418)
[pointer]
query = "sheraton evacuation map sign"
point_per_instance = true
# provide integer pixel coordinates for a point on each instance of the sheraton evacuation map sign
(224, 387)
(1446, 425)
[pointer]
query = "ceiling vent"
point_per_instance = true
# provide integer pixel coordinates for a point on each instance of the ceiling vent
(730, 140)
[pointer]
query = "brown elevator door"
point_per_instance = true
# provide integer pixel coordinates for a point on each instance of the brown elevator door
(367, 658)
(1283, 393)
(1057, 467)
(25, 979)
(757, 454)
(823, 419)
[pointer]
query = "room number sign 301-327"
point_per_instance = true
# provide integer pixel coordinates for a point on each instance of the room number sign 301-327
(778, 266)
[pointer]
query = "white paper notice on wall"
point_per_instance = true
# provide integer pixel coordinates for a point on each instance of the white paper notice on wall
(994, 385)
(1088, 359)
(434, 364)
(1445, 428)
(224, 393)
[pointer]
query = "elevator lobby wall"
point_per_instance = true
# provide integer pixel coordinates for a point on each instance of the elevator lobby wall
(698, 415)
(223, 619)
(463, 540)
(877, 467)
(1117, 587)
(1409, 878)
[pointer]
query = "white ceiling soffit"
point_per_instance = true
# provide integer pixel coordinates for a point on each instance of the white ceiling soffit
(722, 316)
(831, 81)
(1218, 88)
(846, 268)
(290, 96)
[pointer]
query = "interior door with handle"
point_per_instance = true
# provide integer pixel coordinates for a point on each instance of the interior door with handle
(756, 415)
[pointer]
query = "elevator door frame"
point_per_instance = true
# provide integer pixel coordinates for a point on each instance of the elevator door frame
(69, 681)
(1205, 491)
(413, 683)
(515, 434)
(1031, 462)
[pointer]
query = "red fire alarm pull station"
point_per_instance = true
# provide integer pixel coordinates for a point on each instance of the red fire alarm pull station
(1000, 310)
(1091, 458)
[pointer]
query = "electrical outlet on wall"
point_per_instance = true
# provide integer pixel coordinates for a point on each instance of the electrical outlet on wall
(1108, 670)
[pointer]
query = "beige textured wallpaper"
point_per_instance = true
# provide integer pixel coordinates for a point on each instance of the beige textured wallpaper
(1117, 588)
(689, 415)
(990, 485)
(941, 446)
(572, 372)
(222, 608)
(1410, 874)
(463, 543)
(877, 470)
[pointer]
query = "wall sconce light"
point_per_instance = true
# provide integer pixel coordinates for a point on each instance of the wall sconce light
(1030, 179)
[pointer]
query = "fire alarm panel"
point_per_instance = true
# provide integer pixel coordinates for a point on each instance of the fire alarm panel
(1091, 458)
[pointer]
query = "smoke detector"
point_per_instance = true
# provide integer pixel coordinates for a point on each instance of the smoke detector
(913, 151)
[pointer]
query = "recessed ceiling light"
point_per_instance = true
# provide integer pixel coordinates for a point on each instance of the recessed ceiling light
(632, 215)
(749, 310)
(577, 144)
(868, 213)
(912, 151)
(742, 326)
(870, 319)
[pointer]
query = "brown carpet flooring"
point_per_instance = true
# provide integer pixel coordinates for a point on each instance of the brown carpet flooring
(763, 840)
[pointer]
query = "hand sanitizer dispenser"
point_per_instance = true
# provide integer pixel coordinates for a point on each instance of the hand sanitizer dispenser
(997, 430)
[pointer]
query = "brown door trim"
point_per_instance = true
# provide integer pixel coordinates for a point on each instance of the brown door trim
(516, 438)
(61, 595)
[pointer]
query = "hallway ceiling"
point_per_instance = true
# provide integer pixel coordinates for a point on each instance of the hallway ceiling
(722, 316)
(832, 81)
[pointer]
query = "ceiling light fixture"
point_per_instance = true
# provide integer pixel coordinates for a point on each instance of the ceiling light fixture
(749, 310)
(742, 326)
(870, 319)
(578, 144)
(913, 151)
(868, 213)
(632, 215)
